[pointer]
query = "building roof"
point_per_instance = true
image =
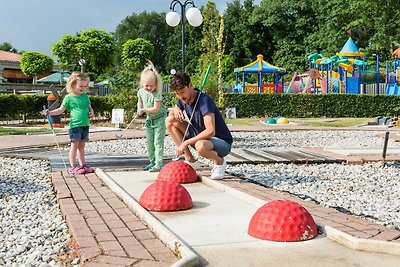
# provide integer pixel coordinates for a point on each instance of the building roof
(9, 56)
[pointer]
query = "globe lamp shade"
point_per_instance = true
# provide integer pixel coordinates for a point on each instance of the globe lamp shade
(173, 18)
(194, 17)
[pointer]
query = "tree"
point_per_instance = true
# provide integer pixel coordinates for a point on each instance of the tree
(136, 52)
(288, 23)
(96, 47)
(35, 63)
(209, 49)
(8, 47)
(149, 26)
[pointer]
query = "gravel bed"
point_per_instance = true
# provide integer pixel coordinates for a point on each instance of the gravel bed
(33, 231)
(369, 190)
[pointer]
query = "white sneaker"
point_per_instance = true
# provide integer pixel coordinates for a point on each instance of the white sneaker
(218, 172)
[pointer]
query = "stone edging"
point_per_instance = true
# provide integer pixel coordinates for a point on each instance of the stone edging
(336, 235)
(188, 257)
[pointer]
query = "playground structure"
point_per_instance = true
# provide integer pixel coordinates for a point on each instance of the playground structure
(345, 72)
(348, 72)
(393, 78)
(260, 67)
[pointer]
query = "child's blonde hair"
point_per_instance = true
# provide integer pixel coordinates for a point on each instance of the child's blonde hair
(74, 78)
(149, 73)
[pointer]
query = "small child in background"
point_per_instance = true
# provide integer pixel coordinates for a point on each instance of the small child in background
(150, 102)
(77, 102)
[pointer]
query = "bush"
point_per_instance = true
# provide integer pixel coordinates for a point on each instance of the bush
(306, 105)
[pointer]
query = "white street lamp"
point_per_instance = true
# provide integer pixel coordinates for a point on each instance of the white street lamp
(193, 16)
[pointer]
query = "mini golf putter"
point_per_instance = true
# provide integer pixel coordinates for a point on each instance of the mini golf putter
(120, 136)
(67, 174)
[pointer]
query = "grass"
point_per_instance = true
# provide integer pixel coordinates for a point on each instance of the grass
(21, 131)
(315, 122)
(242, 121)
(333, 122)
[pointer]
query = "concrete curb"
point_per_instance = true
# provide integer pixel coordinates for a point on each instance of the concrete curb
(188, 257)
(338, 236)
(361, 244)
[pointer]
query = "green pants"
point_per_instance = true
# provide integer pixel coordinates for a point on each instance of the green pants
(155, 134)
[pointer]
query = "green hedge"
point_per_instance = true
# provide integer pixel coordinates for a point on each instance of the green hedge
(247, 105)
(13, 107)
(305, 105)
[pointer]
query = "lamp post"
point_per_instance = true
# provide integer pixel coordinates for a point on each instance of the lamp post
(82, 63)
(377, 73)
(193, 16)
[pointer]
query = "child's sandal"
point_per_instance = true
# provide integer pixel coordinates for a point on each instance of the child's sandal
(148, 167)
(155, 169)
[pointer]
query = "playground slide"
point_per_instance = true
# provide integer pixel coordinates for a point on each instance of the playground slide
(347, 67)
(392, 89)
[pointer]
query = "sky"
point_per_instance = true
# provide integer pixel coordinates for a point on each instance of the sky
(36, 24)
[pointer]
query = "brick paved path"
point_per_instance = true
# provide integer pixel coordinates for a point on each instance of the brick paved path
(106, 230)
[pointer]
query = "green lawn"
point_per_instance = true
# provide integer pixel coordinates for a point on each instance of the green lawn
(316, 122)
(18, 130)
(333, 122)
(242, 121)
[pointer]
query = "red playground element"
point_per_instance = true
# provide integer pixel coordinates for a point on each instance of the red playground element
(282, 220)
(177, 171)
(166, 196)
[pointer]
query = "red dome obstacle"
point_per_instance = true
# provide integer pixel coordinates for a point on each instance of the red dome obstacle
(165, 196)
(282, 220)
(177, 171)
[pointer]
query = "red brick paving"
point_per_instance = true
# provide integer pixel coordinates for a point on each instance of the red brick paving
(107, 231)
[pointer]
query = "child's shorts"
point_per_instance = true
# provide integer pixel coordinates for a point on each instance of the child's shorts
(80, 134)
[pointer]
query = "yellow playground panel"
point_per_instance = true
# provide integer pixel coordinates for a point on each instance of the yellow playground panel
(267, 88)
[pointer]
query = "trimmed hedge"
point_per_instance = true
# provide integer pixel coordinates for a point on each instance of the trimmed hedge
(307, 106)
(247, 105)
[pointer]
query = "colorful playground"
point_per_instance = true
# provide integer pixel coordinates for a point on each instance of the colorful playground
(347, 71)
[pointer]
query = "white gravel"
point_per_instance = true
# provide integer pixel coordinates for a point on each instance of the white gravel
(33, 231)
(369, 190)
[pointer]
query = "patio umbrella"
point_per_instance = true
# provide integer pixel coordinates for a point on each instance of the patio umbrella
(55, 78)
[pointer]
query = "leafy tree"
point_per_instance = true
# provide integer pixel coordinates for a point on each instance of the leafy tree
(241, 38)
(96, 47)
(209, 50)
(35, 63)
(149, 26)
(136, 52)
(8, 47)
(134, 55)
(193, 36)
(288, 22)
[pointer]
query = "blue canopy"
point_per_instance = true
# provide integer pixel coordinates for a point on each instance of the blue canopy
(260, 67)
(350, 49)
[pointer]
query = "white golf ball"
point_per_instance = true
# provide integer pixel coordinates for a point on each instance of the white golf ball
(173, 71)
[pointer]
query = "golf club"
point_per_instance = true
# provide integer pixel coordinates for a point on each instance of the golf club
(189, 122)
(68, 174)
(119, 136)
